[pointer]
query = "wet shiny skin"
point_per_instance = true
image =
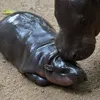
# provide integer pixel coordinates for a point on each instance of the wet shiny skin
(28, 42)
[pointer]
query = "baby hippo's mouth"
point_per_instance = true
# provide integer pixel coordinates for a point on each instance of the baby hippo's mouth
(64, 73)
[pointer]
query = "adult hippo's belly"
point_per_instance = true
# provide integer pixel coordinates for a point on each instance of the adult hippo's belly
(27, 41)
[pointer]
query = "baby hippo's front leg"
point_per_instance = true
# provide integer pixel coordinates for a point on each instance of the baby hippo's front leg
(38, 79)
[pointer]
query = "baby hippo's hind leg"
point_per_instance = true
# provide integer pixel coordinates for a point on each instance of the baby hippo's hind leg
(38, 80)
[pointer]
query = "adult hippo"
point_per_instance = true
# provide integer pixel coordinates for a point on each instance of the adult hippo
(79, 22)
(28, 42)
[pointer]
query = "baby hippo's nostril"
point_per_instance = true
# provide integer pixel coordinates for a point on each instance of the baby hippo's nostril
(81, 76)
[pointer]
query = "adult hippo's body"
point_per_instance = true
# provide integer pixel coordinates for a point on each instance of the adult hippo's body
(27, 41)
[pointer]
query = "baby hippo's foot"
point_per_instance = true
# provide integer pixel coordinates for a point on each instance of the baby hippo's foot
(38, 80)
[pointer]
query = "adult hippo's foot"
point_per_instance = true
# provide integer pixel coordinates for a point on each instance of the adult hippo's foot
(38, 79)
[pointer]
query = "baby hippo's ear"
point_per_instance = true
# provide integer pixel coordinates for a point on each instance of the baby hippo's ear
(48, 67)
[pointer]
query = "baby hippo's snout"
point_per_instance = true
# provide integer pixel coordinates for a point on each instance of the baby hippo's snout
(77, 75)
(64, 73)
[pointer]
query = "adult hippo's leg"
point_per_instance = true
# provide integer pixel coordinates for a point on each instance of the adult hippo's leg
(38, 79)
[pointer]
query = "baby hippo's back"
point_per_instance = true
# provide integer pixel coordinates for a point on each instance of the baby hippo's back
(21, 34)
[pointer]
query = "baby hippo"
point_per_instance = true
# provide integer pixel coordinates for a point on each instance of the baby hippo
(28, 42)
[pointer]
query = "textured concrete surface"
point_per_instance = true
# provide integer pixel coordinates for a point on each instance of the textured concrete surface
(13, 86)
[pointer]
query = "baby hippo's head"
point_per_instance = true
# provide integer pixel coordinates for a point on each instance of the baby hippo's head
(64, 73)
